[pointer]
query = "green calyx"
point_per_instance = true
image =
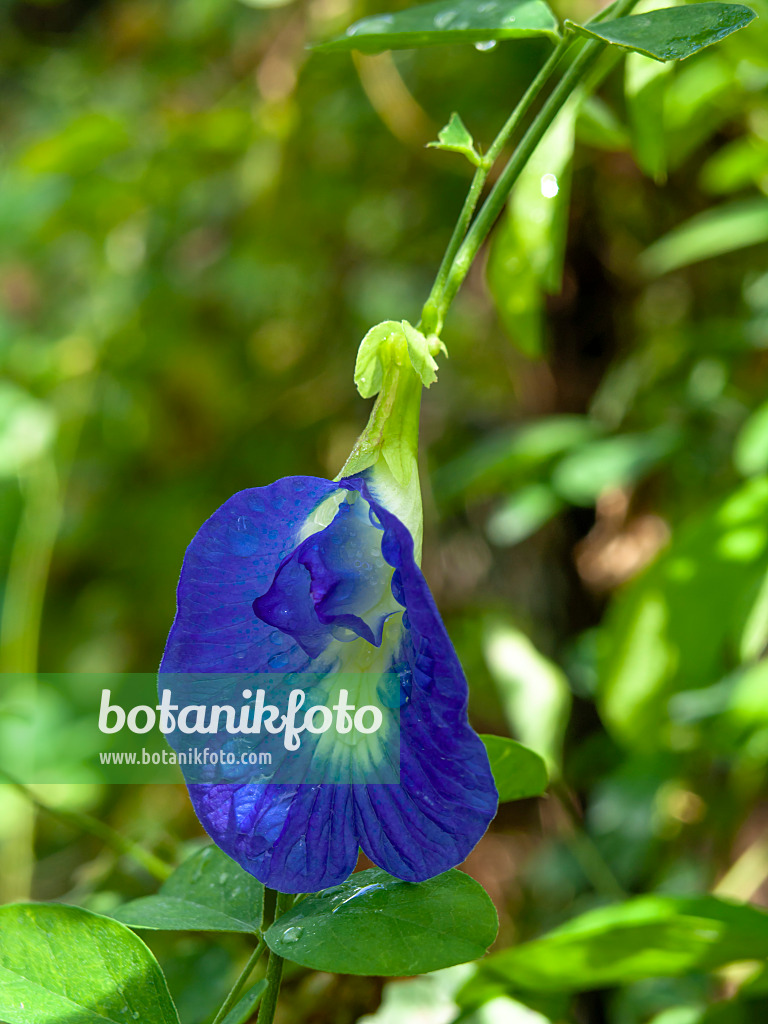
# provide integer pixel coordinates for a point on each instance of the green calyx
(394, 362)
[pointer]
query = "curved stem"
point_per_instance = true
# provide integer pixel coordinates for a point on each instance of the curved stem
(431, 321)
(237, 988)
(282, 902)
(467, 240)
(83, 822)
(495, 202)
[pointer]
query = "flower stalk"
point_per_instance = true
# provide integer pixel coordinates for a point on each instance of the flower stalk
(276, 903)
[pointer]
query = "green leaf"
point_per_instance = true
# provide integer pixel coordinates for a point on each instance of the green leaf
(720, 230)
(518, 771)
(463, 21)
(585, 473)
(516, 292)
(679, 625)
(540, 201)
(63, 964)
(597, 125)
(209, 892)
(533, 690)
(754, 636)
(528, 251)
(511, 457)
(27, 429)
(522, 514)
(456, 138)
(645, 86)
(376, 924)
(672, 33)
(245, 1007)
(653, 936)
(750, 454)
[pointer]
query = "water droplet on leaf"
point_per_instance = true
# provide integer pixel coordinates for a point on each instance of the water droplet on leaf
(293, 934)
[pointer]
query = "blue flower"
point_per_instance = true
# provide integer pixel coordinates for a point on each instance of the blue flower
(313, 576)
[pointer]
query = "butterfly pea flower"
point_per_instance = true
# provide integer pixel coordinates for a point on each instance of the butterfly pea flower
(308, 575)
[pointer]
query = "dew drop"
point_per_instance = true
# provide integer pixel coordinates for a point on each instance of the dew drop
(486, 44)
(293, 934)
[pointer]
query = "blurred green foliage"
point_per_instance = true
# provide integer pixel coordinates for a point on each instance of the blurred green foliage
(199, 219)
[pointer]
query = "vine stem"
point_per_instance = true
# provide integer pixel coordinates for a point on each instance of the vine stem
(237, 988)
(430, 322)
(595, 867)
(468, 236)
(83, 822)
(275, 905)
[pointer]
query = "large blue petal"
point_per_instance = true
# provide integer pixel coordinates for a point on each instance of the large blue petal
(300, 838)
(232, 559)
(446, 796)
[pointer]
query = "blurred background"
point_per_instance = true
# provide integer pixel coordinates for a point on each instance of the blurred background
(199, 220)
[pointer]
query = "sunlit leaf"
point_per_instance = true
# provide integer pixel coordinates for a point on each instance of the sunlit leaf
(712, 233)
(645, 84)
(522, 514)
(754, 636)
(534, 692)
(376, 924)
(586, 472)
(736, 165)
(750, 454)
(462, 21)
(671, 33)
(60, 963)
(27, 429)
(677, 626)
(513, 456)
(652, 936)
(516, 291)
(539, 204)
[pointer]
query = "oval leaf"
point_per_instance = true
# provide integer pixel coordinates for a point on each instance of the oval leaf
(60, 963)
(518, 771)
(671, 33)
(714, 232)
(376, 924)
(465, 21)
(652, 936)
(209, 892)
